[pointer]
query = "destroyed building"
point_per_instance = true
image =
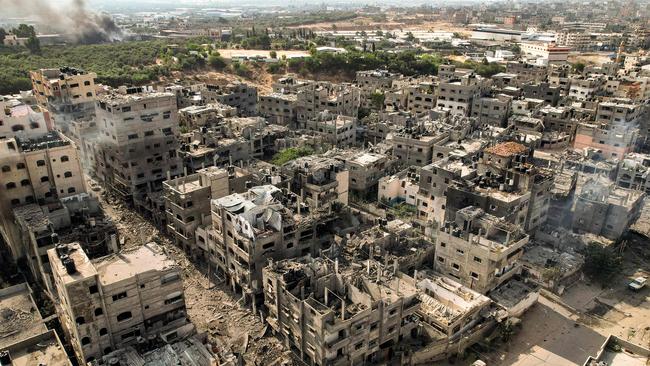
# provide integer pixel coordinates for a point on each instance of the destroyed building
(330, 316)
(75, 218)
(237, 94)
(36, 170)
(611, 140)
(510, 160)
(493, 111)
(337, 130)
(320, 96)
(263, 223)
(137, 146)
(550, 267)
(189, 351)
(295, 103)
(230, 141)
(319, 181)
(389, 243)
(458, 94)
(434, 180)
(402, 187)
(23, 120)
(187, 202)
(374, 81)
(112, 302)
(366, 169)
(449, 307)
(68, 93)
(433, 137)
(204, 115)
(604, 209)
(278, 108)
(633, 172)
(478, 249)
(419, 96)
(506, 185)
(414, 146)
(24, 337)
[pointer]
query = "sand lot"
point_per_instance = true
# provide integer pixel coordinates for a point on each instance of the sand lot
(229, 53)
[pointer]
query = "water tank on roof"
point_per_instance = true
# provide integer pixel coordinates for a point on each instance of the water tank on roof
(61, 249)
(5, 357)
(69, 265)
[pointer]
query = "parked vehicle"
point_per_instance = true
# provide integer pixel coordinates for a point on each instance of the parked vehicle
(637, 284)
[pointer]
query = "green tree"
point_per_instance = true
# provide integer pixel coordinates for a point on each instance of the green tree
(275, 68)
(24, 31)
(33, 45)
(410, 37)
(601, 263)
(216, 61)
(273, 54)
(377, 100)
(578, 67)
(241, 69)
(3, 34)
(290, 154)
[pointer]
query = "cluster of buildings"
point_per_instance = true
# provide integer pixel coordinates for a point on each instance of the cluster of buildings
(412, 226)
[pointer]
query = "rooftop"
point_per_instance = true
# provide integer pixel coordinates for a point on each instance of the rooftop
(618, 352)
(48, 141)
(118, 267)
(188, 352)
(368, 158)
(446, 300)
(512, 292)
(19, 316)
(115, 98)
(42, 349)
(33, 215)
(506, 149)
(84, 268)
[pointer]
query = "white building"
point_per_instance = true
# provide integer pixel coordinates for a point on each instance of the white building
(549, 53)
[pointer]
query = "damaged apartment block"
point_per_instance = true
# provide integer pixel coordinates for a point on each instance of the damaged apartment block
(478, 249)
(137, 146)
(263, 223)
(119, 300)
(333, 316)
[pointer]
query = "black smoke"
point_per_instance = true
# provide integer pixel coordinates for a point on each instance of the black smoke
(72, 19)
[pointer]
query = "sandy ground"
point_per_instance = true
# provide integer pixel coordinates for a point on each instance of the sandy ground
(364, 23)
(550, 335)
(597, 58)
(565, 333)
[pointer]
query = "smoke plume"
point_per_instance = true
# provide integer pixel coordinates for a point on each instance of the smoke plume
(72, 19)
